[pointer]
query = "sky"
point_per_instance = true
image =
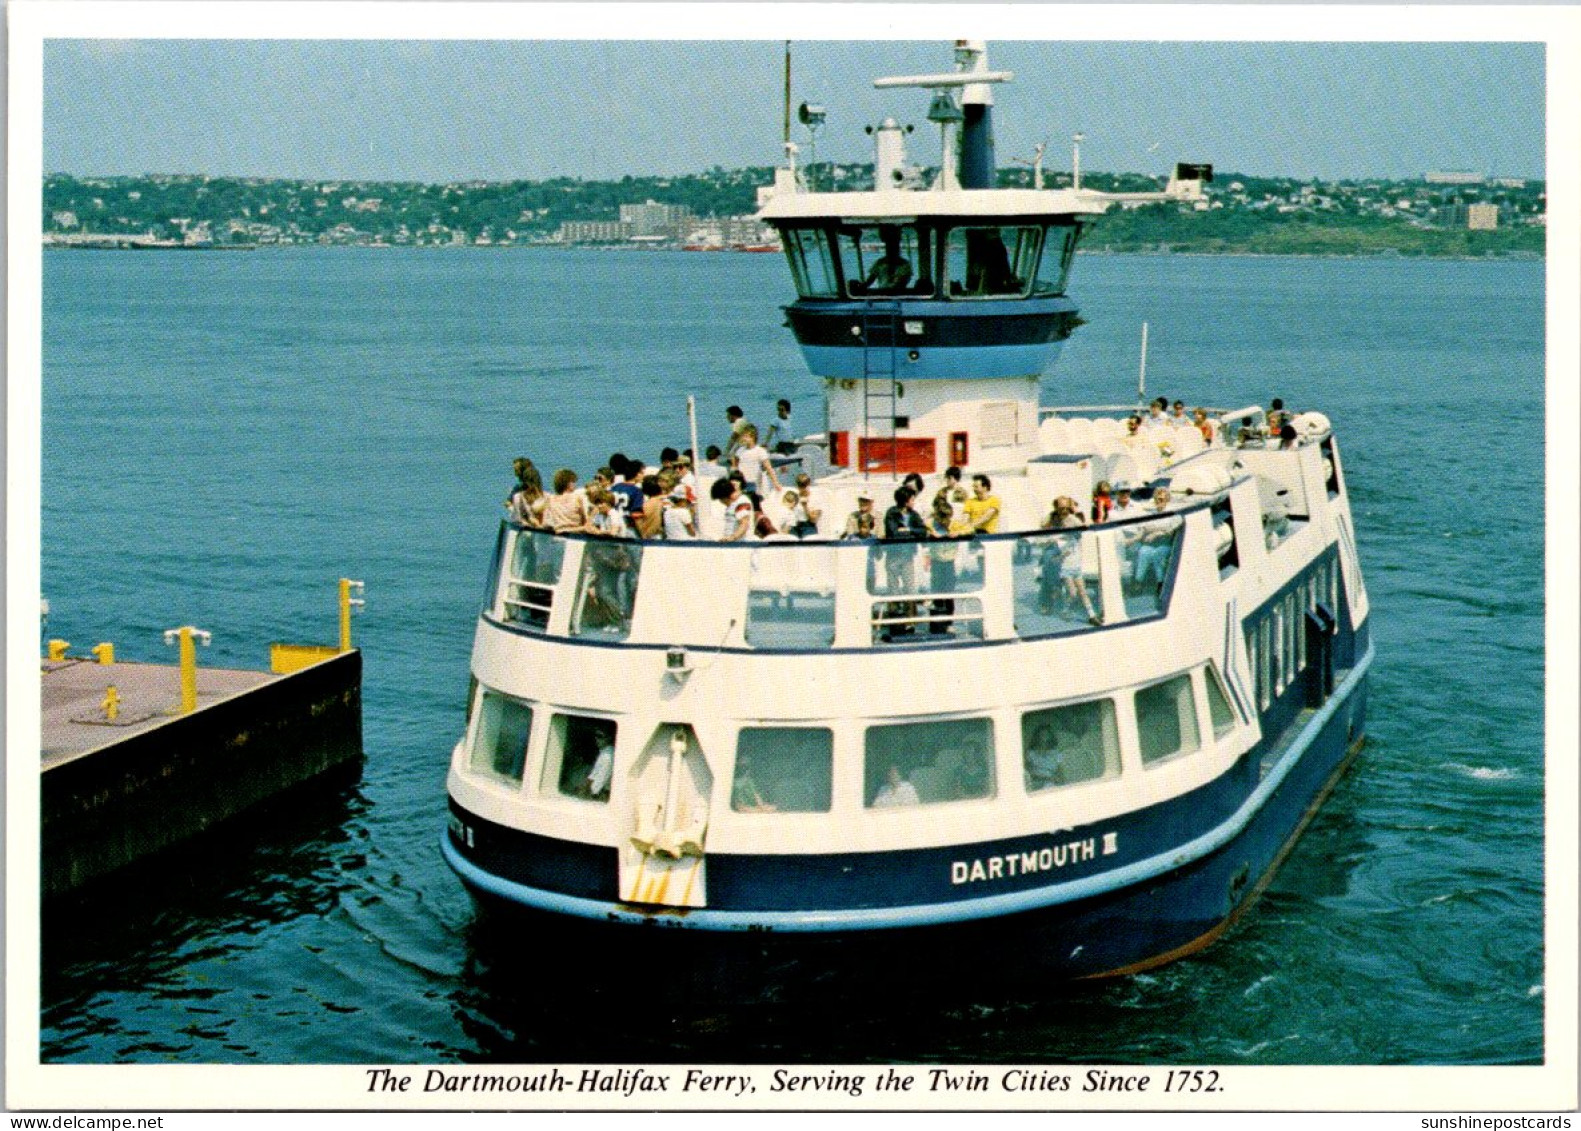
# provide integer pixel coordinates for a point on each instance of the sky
(506, 110)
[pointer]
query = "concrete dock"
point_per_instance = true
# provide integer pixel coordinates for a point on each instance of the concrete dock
(117, 790)
(74, 720)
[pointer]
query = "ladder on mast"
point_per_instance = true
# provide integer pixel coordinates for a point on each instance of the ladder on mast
(880, 393)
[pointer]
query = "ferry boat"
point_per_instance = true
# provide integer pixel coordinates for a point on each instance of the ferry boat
(1105, 734)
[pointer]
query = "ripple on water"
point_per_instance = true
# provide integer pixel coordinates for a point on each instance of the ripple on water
(1482, 773)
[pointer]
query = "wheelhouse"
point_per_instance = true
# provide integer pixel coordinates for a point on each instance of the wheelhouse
(968, 258)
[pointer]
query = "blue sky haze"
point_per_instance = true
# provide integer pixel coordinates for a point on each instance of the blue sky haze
(502, 110)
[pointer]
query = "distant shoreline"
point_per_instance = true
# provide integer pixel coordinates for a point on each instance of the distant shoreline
(1516, 256)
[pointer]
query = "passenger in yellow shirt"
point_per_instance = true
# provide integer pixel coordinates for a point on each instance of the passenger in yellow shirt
(982, 509)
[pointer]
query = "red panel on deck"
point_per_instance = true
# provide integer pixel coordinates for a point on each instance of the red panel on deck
(902, 455)
(840, 449)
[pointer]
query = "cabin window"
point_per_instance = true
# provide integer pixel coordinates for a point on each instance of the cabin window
(991, 262)
(1067, 745)
(1166, 720)
(1298, 638)
(1057, 585)
(607, 588)
(1277, 655)
(812, 263)
(1331, 475)
(929, 763)
(491, 585)
(783, 770)
(886, 259)
(1059, 248)
(580, 758)
(920, 581)
(1265, 662)
(1294, 635)
(1252, 654)
(1220, 714)
(499, 745)
(1147, 556)
(790, 597)
(535, 564)
(1229, 554)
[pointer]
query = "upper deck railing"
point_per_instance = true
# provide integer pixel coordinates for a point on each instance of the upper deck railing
(790, 595)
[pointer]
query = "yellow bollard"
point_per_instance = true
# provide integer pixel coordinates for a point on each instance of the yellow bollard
(57, 650)
(112, 704)
(347, 601)
(105, 652)
(186, 635)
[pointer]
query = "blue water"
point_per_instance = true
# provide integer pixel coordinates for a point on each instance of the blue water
(224, 435)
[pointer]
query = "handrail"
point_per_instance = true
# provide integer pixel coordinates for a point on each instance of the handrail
(1197, 502)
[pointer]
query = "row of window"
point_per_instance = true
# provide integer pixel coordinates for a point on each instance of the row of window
(1276, 639)
(973, 261)
(790, 769)
(1057, 585)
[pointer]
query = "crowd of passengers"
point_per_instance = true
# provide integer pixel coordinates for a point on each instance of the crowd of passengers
(1158, 424)
(629, 498)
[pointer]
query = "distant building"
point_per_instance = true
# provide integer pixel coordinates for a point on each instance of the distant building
(592, 231)
(1454, 177)
(1482, 217)
(64, 219)
(654, 220)
(746, 229)
(1509, 182)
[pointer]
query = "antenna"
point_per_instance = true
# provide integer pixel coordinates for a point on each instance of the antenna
(1075, 159)
(787, 138)
(812, 116)
(1036, 163)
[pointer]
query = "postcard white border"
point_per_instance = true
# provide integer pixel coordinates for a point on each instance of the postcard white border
(31, 1086)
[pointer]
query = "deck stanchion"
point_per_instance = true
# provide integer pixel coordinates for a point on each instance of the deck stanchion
(347, 603)
(57, 650)
(185, 635)
(105, 652)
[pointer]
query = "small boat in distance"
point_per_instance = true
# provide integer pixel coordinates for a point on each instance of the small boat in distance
(1097, 718)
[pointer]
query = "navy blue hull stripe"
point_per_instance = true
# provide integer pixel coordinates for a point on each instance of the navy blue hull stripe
(1141, 871)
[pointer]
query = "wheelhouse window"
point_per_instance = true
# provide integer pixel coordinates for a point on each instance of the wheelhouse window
(499, 745)
(886, 259)
(991, 262)
(928, 763)
(1068, 745)
(783, 770)
(1166, 720)
(1059, 248)
(579, 760)
(812, 262)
